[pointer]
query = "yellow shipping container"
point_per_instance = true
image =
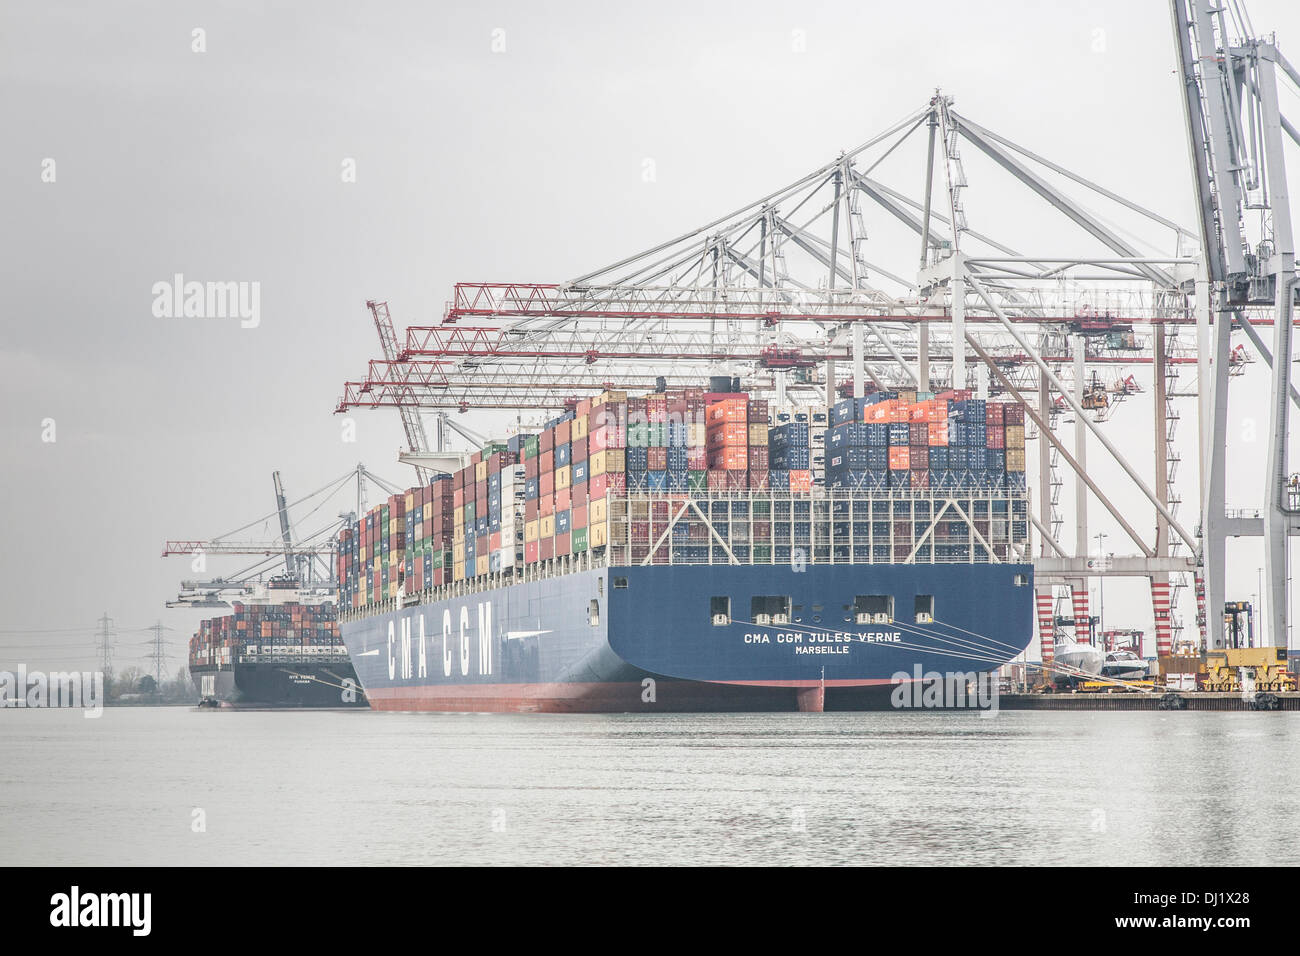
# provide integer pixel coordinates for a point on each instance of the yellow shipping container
(531, 530)
(758, 434)
(481, 564)
(410, 502)
(563, 477)
(697, 434)
(607, 397)
(612, 461)
(1015, 436)
(579, 428)
(364, 553)
(546, 526)
(392, 527)
(598, 534)
(458, 571)
(598, 510)
(481, 471)
(458, 550)
(427, 511)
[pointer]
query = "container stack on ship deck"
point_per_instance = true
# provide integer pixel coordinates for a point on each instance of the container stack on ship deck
(279, 653)
(689, 550)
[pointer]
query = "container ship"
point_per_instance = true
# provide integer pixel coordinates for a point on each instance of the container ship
(695, 551)
(281, 648)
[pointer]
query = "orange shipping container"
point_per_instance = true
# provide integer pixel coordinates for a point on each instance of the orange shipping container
(728, 434)
(729, 410)
(939, 433)
(730, 458)
(881, 411)
(899, 458)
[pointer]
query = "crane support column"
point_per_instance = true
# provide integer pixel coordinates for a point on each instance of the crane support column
(1080, 449)
(1282, 267)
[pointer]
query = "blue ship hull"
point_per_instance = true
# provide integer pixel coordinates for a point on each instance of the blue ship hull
(680, 638)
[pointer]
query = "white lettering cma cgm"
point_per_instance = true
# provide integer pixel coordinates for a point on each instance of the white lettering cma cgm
(455, 644)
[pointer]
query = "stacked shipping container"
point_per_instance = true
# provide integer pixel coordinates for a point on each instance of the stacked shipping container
(542, 496)
(947, 442)
(263, 631)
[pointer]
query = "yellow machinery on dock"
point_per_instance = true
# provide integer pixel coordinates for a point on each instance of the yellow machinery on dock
(1266, 666)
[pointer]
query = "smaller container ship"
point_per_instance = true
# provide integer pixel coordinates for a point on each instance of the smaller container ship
(280, 647)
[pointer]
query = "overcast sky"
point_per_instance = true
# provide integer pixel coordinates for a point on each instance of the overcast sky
(472, 164)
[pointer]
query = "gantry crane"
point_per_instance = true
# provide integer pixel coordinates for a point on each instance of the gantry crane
(308, 562)
(1235, 130)
(789, 285)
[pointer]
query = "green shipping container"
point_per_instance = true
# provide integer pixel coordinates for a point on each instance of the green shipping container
(762, 554)
(530, 446)
(579, 540)
(697, 480)
(638, 436)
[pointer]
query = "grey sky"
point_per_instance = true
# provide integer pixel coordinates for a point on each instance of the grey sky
(471, 165)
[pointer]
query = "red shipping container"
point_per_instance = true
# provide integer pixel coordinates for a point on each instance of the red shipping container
(546, 440)
(562, 543)
(920, 479)
(757, 411)
(546, 548)
(530, 510)
(736, 480)
(563, 499)
(532, 467)
(578, 449)
(729, 459)
(530, 552)
(494, 541)
(545, 506)
(993, 414)
(758, 457)
(597, 486)
(657, 459)
(697, 459)
(617, 483)
(546, 484)
(717, 480)
(562, 432)
(578, 517)
(757, 480)
(919, 433)
(996, 436)
(1013, 414)
(919, 457)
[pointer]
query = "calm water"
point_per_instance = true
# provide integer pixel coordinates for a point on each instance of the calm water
(362, 787)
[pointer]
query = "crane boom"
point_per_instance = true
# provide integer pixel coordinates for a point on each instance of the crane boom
(290, 564)
(416, 440)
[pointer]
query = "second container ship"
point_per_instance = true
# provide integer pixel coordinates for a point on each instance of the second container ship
(278, 648)
(680, 552)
